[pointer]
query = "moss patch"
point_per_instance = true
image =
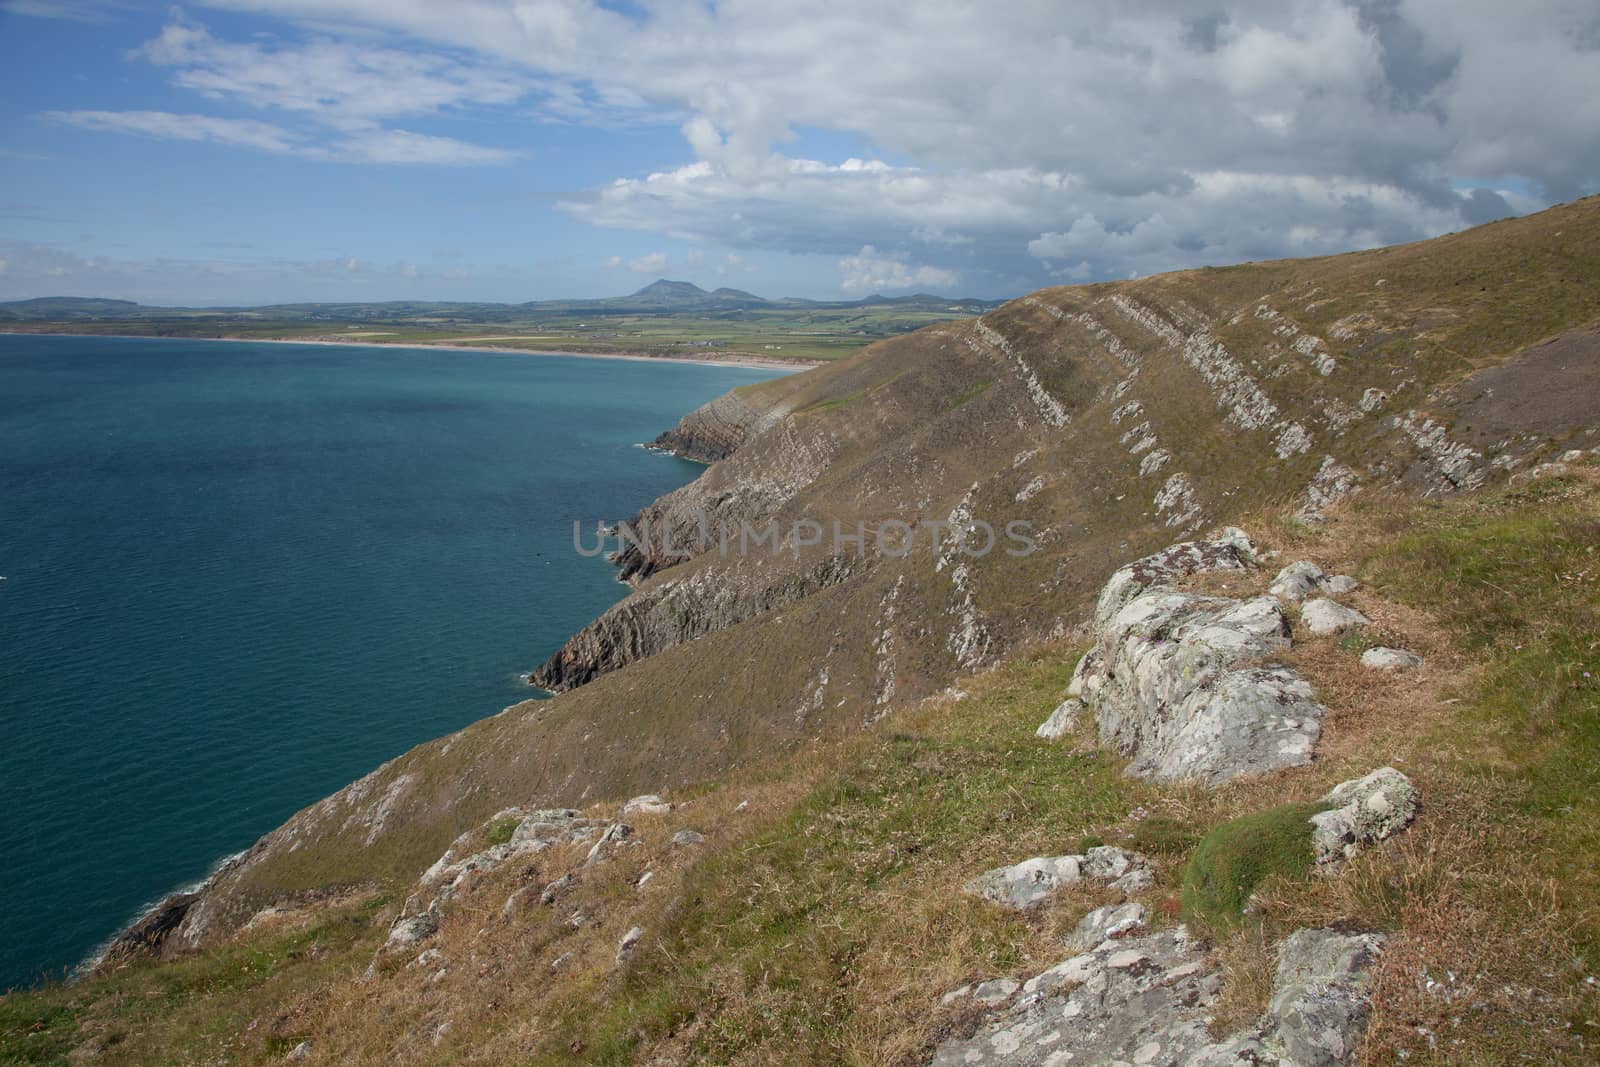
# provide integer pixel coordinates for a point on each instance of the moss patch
(500, 830)
(1234, 858)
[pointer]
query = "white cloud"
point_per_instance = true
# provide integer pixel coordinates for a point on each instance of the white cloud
(339, 82)
(68, 10)
(1028, 139)
(650, 263)
(374, 146)
(332, 97)
(403, 146)
(869, 271)
(168, 126)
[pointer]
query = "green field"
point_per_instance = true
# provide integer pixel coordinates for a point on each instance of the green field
(692, 327)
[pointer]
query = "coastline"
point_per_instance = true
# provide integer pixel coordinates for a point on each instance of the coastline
(734, 360)
(147, 928)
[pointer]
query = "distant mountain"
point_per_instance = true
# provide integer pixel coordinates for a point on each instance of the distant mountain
(661, 297)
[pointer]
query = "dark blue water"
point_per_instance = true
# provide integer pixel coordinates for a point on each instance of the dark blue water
(239, 576)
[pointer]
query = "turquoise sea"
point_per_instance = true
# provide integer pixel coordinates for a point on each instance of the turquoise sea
(238, 576)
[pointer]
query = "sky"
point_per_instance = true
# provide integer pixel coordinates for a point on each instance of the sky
(260, 151)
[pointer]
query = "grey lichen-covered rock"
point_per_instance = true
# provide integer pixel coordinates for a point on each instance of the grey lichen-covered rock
(1147, 1001)
(411, 930)
(552, 892)
(994, 992)
(1232, 551)
(1318, 1008)
(1166, 691)
(1363, 811)
(1390, 659)
(648, 804)
(1139, 1001)
(630, 942)
(537, 831)
(686, 838)
(1323, 616)
(1106, 923)
(1025, 884)
(1061, 721)
(1297, 581)
(615, 834)
(1319, 1002)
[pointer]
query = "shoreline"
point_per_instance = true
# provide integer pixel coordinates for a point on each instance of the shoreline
(175, 903)
(740, 360)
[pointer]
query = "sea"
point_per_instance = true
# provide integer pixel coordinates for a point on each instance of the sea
(238, 576)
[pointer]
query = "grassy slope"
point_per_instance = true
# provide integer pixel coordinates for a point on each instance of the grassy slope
(906, 435)
(821, 923)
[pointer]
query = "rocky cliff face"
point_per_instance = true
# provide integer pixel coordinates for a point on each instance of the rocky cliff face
(716, 430)
(1109, 420)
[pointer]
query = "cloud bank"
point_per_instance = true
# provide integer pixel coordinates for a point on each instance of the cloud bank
(992, 148)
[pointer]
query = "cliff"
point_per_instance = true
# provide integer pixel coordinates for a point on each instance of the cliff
(1107, 422)
(1110, 418)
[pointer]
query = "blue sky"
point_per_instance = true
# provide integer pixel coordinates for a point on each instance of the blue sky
(251, 151)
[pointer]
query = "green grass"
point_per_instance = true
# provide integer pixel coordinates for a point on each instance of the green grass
(163, 1013)
(1514, 578)
(831, 405)
(1233, 859)
(500, 830)
(774, 941)
(972, 392)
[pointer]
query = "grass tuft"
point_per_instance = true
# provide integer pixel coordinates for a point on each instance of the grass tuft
(1233, 859)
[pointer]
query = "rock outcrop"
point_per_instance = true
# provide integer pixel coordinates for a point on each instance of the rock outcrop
(674, 612)
(1174, 679)
(1031, 882)
(713, 431)
(1232, 551)
(1363, 812)
(1147, 1001)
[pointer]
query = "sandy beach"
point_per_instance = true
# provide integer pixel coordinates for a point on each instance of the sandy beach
(731, 360)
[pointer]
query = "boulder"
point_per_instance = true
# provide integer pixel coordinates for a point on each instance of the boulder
(1363, 811)
(1323, 616)
(1166, 690)
(648, 804)
(1026, 884)
(685, 838)
(1061, 721)
(411, 930)
(1299, 580)
(1390, 659)
(1296, 581)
